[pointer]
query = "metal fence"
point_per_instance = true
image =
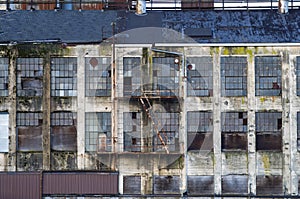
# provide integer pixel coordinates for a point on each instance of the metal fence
(150, 4)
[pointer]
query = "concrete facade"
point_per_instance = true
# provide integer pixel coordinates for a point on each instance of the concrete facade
(148, 171)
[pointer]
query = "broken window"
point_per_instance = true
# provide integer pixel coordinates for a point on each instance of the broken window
(132, 185)
(267, 76)
(98, 76)
(63, 131)
(29, 76)
(4, 141)
(231, 182)
(4, 76)
(200, 76)
(168, 127)
(131, 76)
(200, 130)
(64, 76)
(234, 130)
(298, 75)
(29, 130)
(200, 185)
(132, 131)
(165, 77)
(98, 131)
(166, 184)
(269, 184)
(233, 76)
(268, 127)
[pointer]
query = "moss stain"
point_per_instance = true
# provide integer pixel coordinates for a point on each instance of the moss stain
(266, 163)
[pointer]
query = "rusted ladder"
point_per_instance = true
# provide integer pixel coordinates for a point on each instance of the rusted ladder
(150, 115)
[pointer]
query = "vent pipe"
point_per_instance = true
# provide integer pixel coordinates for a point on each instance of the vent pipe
(283, 6)
(141, 7)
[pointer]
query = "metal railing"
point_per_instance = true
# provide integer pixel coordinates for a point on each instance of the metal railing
(151, 4)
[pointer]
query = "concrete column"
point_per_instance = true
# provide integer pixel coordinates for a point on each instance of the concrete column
(251, 123)
(286, 123)
(12, 154)
(80, 108)
(216, 121)
(46, 113)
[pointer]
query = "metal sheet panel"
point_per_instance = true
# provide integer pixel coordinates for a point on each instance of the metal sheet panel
(231, 182)
(200, 185)
(64, 138)
(132, 185)
(30, 138)
(20, 186)
(4, 132)
(269, 185)
(80, 183)
(166, 185)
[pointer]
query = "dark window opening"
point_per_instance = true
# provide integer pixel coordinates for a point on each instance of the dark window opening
(4, 64)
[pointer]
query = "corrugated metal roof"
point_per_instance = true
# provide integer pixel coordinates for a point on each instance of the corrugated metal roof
(20, 186)
(80, 183)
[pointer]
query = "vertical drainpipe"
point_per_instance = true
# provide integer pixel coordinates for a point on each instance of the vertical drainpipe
(283, 6)
(141, 7)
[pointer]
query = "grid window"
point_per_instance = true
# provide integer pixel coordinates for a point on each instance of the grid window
(268, 130)
(168, 126)
(63, 76)
(4, 76)
(132, 131)
(29, 131)
(200, 76)
(267, 76)
(98, 76)
(234, 130)
(298, 75)
(199, 129)
(63, 131)
(165, 76)
(29, 119)
(98, 132)
(234, 76)
(29, 76)
(131, 76)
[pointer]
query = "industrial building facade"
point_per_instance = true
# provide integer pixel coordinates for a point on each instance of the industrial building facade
(150, 116)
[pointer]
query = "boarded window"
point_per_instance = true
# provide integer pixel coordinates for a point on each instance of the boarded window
(132, 185)
(29, 130)
(267, 76)
(29, 76)
(98, 131)
(166, 185)
(269, 185)
(63, 76)
(131, 76)
(98, 76)
(268, 127)
(235, 184)
(199, 129)
(234, 130)
(4, 122)
(233, 76)
(200, 185)
(132, 131)
(4, 76)
(63, 131)
(200, 76)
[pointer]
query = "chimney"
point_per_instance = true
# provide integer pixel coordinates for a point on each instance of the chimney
(141, 7)
(283, 6)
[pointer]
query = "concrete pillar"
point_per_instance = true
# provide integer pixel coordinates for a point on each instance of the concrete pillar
(216, 121)
(46, 113)
(12, 154)
(251, 123)
(285, 123)
(80, 53)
